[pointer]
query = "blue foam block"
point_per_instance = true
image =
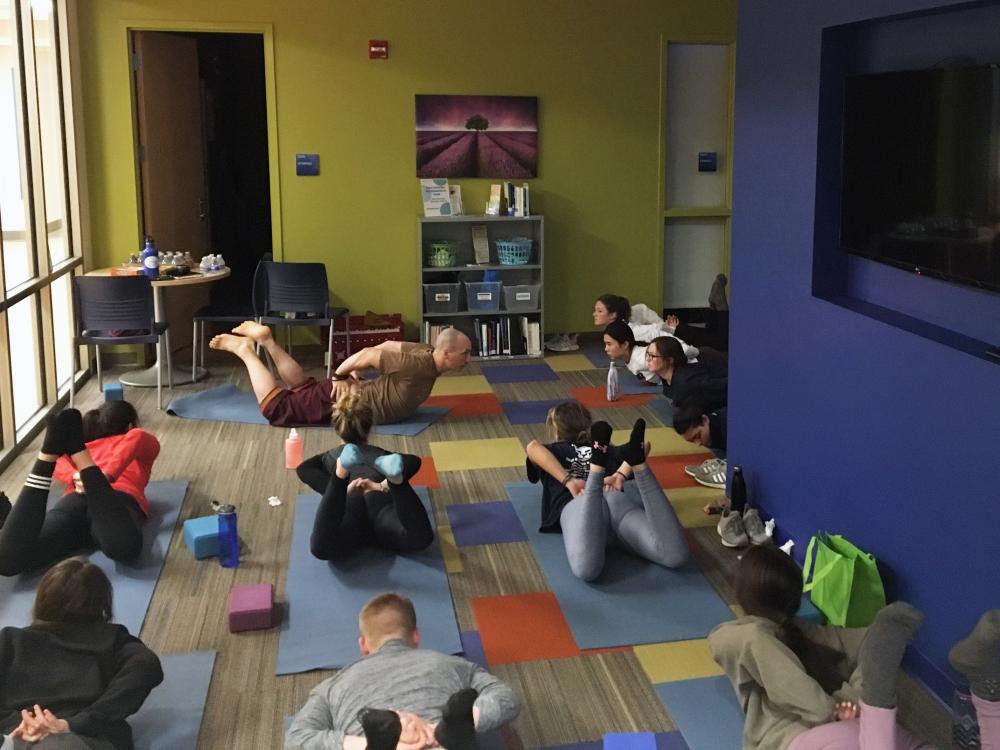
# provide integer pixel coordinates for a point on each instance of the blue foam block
(171, 716)
(626, 604)
(630, 741)
(114, 392)
(321, 630)
(133, 582)
(201, 536)
(706, 711)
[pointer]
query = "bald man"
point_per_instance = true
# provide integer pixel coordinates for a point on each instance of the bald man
(407, 373)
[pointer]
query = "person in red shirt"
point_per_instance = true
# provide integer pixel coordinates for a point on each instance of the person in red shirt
(105, 461)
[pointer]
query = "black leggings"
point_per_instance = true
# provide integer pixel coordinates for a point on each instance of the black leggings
(394, 520)
(102, 516)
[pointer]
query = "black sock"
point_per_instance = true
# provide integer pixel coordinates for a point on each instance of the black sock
(457, 730)
(634, 453)
(64, 434)
(600, 437)
(382, 728)
(5, 507)
(52, 443)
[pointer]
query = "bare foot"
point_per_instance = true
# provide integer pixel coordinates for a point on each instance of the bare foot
(253, 330)
(228, 343)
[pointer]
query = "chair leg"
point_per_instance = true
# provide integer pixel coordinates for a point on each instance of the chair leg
(194, 347)
(329, 351)
(170, 365)
(97, 356)
(159, 374)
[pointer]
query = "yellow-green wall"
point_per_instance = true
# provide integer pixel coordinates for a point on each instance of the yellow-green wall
(593, 64)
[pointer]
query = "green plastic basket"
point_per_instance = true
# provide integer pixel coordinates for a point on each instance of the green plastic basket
(442, 253)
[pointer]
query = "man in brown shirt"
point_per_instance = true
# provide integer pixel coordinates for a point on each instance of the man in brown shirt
(407, 373)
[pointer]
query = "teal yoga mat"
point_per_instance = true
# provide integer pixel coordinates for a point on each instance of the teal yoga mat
(227, 403)
(706, 711)
(170, 719)
(633, 601)
(133, 582)
(321, 629)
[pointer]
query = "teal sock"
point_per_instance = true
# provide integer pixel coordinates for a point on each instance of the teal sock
(350, 457)
(390, 466)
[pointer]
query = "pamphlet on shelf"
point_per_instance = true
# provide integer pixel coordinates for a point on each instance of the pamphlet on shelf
(481, 243)
(493, 205)
(437, 199)
(455, 194)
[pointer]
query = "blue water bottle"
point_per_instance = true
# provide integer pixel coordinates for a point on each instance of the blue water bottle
(229, 540)
(150, 258)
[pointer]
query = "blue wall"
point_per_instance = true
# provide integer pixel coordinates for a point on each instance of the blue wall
(844, 421)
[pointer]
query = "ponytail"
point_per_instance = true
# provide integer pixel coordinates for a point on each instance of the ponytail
(110, 418)
(352, 419)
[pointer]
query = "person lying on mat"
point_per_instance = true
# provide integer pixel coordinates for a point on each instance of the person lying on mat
(407, 373)
(800, 683)
(645, 324)
(70, 679)
(701, 426)
(592, 508)
(706, 380)
(367, 497)
(105, 462)
(620, 346)
(400, 695)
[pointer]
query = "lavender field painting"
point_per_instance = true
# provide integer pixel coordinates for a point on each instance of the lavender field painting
(477, 136)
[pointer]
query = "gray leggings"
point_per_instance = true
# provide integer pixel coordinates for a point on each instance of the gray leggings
(639, 520)
(68, 741)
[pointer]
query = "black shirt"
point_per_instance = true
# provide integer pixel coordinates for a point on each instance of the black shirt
(717, 426)
(575, 459)
(697, 381)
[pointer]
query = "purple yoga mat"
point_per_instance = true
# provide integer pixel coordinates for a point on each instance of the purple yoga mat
(485, 523)
(519, 373)
(472, 648)
(528, 412)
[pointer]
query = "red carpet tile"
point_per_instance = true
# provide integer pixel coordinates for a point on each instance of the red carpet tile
(469, 405)
(524, 627)
(669, 470)
(427, 476)
(596, 397)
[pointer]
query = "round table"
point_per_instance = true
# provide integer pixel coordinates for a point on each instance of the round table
(146, 378)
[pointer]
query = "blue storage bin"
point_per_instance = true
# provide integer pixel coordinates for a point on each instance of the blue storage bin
(483, 295)
(201, 535)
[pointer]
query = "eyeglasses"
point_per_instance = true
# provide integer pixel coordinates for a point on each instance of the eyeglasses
(653, 356)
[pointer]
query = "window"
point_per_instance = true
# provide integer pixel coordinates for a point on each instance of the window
(38, 251)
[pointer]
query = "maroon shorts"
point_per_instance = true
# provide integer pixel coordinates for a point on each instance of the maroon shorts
(306, 404)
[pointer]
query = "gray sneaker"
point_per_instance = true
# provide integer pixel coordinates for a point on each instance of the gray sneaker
(705, 467)
(755, 527)
(713, 476)
(731, 530)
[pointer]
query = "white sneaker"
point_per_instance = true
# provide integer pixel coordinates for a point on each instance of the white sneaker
(561, 343)
(709, 465)
(714, 477)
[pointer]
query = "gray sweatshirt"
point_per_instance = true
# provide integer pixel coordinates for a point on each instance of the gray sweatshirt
(396, 677)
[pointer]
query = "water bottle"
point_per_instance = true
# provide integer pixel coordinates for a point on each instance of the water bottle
(229, 541)
(293, 450)
(206, 262)
(614, 389)
(738, 490)
(220, 262)
(150, 258)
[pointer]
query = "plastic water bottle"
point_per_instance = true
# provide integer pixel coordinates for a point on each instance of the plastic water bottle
(220, 262)
(738, 490)
(293, 450)
(206, 262)
(614, 390)
(150, 258)
(229, 540)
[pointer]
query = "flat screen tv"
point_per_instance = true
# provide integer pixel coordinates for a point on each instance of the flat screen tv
(921, 172)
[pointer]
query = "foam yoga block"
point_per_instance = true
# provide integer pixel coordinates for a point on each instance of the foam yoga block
(201, 536)
(251, 607)
(114, 392)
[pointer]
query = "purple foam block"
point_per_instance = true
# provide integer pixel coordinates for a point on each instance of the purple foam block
(251, 607)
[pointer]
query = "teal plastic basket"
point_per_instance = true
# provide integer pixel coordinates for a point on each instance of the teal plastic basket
(514, 252)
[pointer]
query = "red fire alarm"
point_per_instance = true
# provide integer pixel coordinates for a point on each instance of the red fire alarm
(378, 49)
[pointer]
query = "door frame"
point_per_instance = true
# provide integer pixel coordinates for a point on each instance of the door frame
(266, 31)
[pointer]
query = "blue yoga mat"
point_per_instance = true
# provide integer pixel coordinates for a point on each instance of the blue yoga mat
(321, 630)
(484, 523)
(227, 403)
(629, 385)
(133, 582)
(171, 716)
(634, 601)
(519, 373)
(528, 412)
(706, 711)
(663, 409)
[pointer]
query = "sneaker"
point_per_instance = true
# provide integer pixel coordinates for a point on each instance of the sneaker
(714, 476)
(717, 296)
(708, 466)
(755, 527)
(731, 530)
(571, 342)
(561, 343)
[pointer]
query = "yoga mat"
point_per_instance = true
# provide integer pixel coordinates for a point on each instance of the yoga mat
(523, 627)
(469, 404)
(626, 605)
(664, 409)
(472, 648)
(681, 660)
(321, 630)
(485, 523)
(461, 385)
(630, 385)
(706, 711)
(664, 741)
(133, 582)
(596, 354)
(489, 453)
(528, 412)
(568, 362)
(596, 397)
(227, 403)
(519, 373)
(171, 716)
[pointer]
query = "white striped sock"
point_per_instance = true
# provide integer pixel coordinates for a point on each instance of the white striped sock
(38, 482)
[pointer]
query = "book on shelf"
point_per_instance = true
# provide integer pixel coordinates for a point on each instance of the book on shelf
(493, 205)
(436, 197)
(432, 331)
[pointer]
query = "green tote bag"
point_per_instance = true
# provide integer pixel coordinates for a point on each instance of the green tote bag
(845, 583)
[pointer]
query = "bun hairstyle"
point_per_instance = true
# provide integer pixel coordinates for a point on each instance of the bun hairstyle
(570, 421)
(621, 332)
(620, 306)
(73, 591)
(110, 418)
(351, 419)
(769, 584)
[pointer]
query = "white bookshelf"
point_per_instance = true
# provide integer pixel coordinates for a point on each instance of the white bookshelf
(458, 229)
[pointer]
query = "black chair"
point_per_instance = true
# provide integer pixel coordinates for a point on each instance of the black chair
(296, 294)
(118, 310)
(226, 312)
